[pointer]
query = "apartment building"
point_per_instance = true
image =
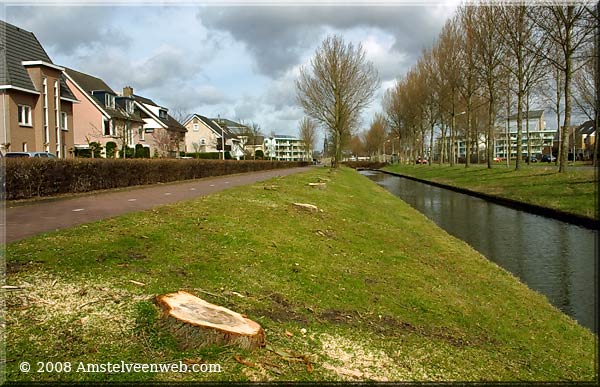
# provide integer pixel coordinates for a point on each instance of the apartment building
(285, 148)
(540, 137)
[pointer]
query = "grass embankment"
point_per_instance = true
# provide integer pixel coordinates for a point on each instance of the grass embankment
(366, 289)
(573, 191)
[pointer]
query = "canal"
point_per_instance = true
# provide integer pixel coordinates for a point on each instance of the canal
(552, 257)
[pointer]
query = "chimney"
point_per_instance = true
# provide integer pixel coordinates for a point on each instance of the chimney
(127, 91)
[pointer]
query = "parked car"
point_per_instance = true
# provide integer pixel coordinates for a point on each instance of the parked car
(421, 160)
(44, 155)
(548, 159)
(533, 159)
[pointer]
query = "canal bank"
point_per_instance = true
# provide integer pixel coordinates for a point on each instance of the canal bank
(364, 288)
(564, 216)
(554, 258)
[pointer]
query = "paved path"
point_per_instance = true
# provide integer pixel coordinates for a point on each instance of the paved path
(31, 219)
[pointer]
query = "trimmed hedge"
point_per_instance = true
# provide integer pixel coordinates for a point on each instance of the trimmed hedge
(27, 178)
(365, 164)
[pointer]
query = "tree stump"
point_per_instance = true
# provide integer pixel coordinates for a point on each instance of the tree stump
(317, 185)
(196, 323)
(306, 207)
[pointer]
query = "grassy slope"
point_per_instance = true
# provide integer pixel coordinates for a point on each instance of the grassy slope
(573, 191)
(382, 292)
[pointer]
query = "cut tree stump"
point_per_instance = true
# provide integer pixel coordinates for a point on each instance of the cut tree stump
(196, 323)
(306, 207)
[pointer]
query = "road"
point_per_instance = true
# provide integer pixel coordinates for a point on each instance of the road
(24, 220)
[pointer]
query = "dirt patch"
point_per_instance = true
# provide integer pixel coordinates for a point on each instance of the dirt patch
(281, 310)
(13, 267)
(392, 326)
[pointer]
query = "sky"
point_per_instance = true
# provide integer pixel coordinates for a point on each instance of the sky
(236, 62)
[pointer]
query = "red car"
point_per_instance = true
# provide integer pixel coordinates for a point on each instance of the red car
(421, 160)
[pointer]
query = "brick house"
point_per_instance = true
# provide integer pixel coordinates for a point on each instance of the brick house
(37, 105)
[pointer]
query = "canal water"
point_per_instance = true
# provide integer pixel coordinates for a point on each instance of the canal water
(554, 258)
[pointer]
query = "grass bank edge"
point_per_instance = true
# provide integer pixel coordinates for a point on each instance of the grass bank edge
(571, 193)
(381, 279)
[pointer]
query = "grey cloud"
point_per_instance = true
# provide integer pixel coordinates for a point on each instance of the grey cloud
(277, 36)
(65, 29)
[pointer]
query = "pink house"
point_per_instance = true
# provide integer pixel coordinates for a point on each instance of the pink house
(102, 116)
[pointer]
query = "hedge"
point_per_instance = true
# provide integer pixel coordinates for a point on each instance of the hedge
(365, 164)
(27, 178)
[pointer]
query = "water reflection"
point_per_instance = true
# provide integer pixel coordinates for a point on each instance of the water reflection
(554, 258)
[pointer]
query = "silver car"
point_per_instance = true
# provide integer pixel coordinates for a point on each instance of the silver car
(44, 155)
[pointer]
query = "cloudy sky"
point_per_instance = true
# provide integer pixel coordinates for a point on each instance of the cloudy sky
(239, 62)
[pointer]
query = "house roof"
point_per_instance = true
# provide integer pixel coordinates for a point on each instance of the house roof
(21, 46)
(212, 125)
(89, 83)
(229, 124)
(170, 122)
(533, 114)
(587, 127)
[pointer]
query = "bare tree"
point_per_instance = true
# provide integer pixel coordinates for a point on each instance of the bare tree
(338, 86)
(567, 27)
(446, 56)
(308, 134)
(376, 135)
(468, 85)
(489, 54)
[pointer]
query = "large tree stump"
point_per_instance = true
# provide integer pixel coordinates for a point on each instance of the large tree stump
(196, 323)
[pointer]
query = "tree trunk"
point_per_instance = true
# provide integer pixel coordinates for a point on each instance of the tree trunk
(565, 134)
(527, 130)
(490, 133)
(468, 135)
(452, 134)
(519, 126)
(196, 323)
(430, 145)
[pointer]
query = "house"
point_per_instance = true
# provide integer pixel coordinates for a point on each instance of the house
(204, 135)
(581, 141)
(235, 130)
(103, 116)
(162, 133)
(587, 131)
(285, 148)
(37, 104)
(540, 137)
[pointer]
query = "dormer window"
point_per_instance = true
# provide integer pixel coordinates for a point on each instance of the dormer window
(129, 106)
(162, 113)
(109, 100)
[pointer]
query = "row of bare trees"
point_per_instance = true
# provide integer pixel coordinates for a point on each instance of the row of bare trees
(488, 61)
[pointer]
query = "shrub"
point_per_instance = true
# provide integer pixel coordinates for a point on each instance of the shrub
(139, 151)
(203, 155)
(259, 154)
(111, 148)
(26, 178)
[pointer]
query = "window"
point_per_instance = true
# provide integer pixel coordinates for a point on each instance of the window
(107, 131)
(64, 123)
(141, 133)
(24, 147)
(129, 106)
(24, 112)
(196, 128)
(203, 141)
(162, 113)
(109, 100)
